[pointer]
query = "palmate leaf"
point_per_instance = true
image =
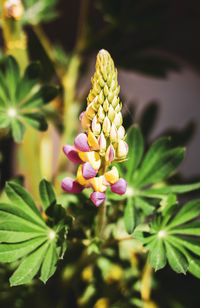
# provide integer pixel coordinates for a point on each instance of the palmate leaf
(26, 236)
(21, 98)
(136, 147)
(179, 236)
(158, 163)
(38, 11)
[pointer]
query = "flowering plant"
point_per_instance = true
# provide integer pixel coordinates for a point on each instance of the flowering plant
(112, 212)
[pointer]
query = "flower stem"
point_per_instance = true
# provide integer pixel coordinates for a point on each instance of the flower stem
(146, 282)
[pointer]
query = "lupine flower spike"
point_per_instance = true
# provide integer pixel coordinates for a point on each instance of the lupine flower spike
(102, 141)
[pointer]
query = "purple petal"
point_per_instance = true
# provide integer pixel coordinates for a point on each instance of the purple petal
(71, 153)
(81, 115)
(110, 153)
(119, 187)
(88, 171)
(71, 186)
(81, 143)
(97, 197)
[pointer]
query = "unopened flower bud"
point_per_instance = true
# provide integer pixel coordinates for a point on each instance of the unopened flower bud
(118, 119)
(122, 149)
(14, 9)
(101, 114)
(119, 187)
(115, 101)
(105, 90)
(102, 142)
(121, 132)
(90, 112)
(118, 107)
(113, 133)
(106, 126)
(88, 171)
(96, 127)
(71, 186)
(97, 198)
(72, 154)
(101, 98)
(110, 154)
(111, 113)
(110, 97)
(105, 105)
(81, 143)
(85, 122)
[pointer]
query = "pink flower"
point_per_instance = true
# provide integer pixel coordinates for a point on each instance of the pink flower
(71, 186)
(97, 198)
(81, 143)
(72, 154)
(88, 171)
(119, 187)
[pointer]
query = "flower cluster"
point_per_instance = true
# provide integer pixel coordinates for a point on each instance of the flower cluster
(103, 140)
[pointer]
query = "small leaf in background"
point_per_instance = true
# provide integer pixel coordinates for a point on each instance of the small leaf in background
(129, 215)
(47, 194)
(38, 11)
(150, 160)
(136, 147)
(159, 164)
(21, 98)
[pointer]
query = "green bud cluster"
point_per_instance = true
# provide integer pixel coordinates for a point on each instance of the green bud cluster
(104, 117)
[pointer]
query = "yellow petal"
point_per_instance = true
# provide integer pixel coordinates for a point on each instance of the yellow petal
(92, 157)
(112, 176)
(92, 141)
(80, 178)
(98, 183)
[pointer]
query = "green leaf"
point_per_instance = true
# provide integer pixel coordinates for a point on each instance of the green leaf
(12, 252)
(28, 81)
(3, 89)
(144, 205)
(12, 76)
(18, 130)
(194, 267)
(49, 264)
(42, 97)
(157, 149)
(129, 215)
(163, 166)
(186, 213)
(177, 189)
(36, 120)
(136, 148)
(24, 233)
(11, 219)
(21, 198)
(157, 257)
(176, 259)
(190, 243)
(4, 120)
(47, 194)
(29, 267)
(192, 228)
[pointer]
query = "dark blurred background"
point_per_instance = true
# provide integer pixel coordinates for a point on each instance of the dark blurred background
(155, 45)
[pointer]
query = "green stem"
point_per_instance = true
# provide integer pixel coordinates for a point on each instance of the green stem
(16, 45)
(14, 38)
